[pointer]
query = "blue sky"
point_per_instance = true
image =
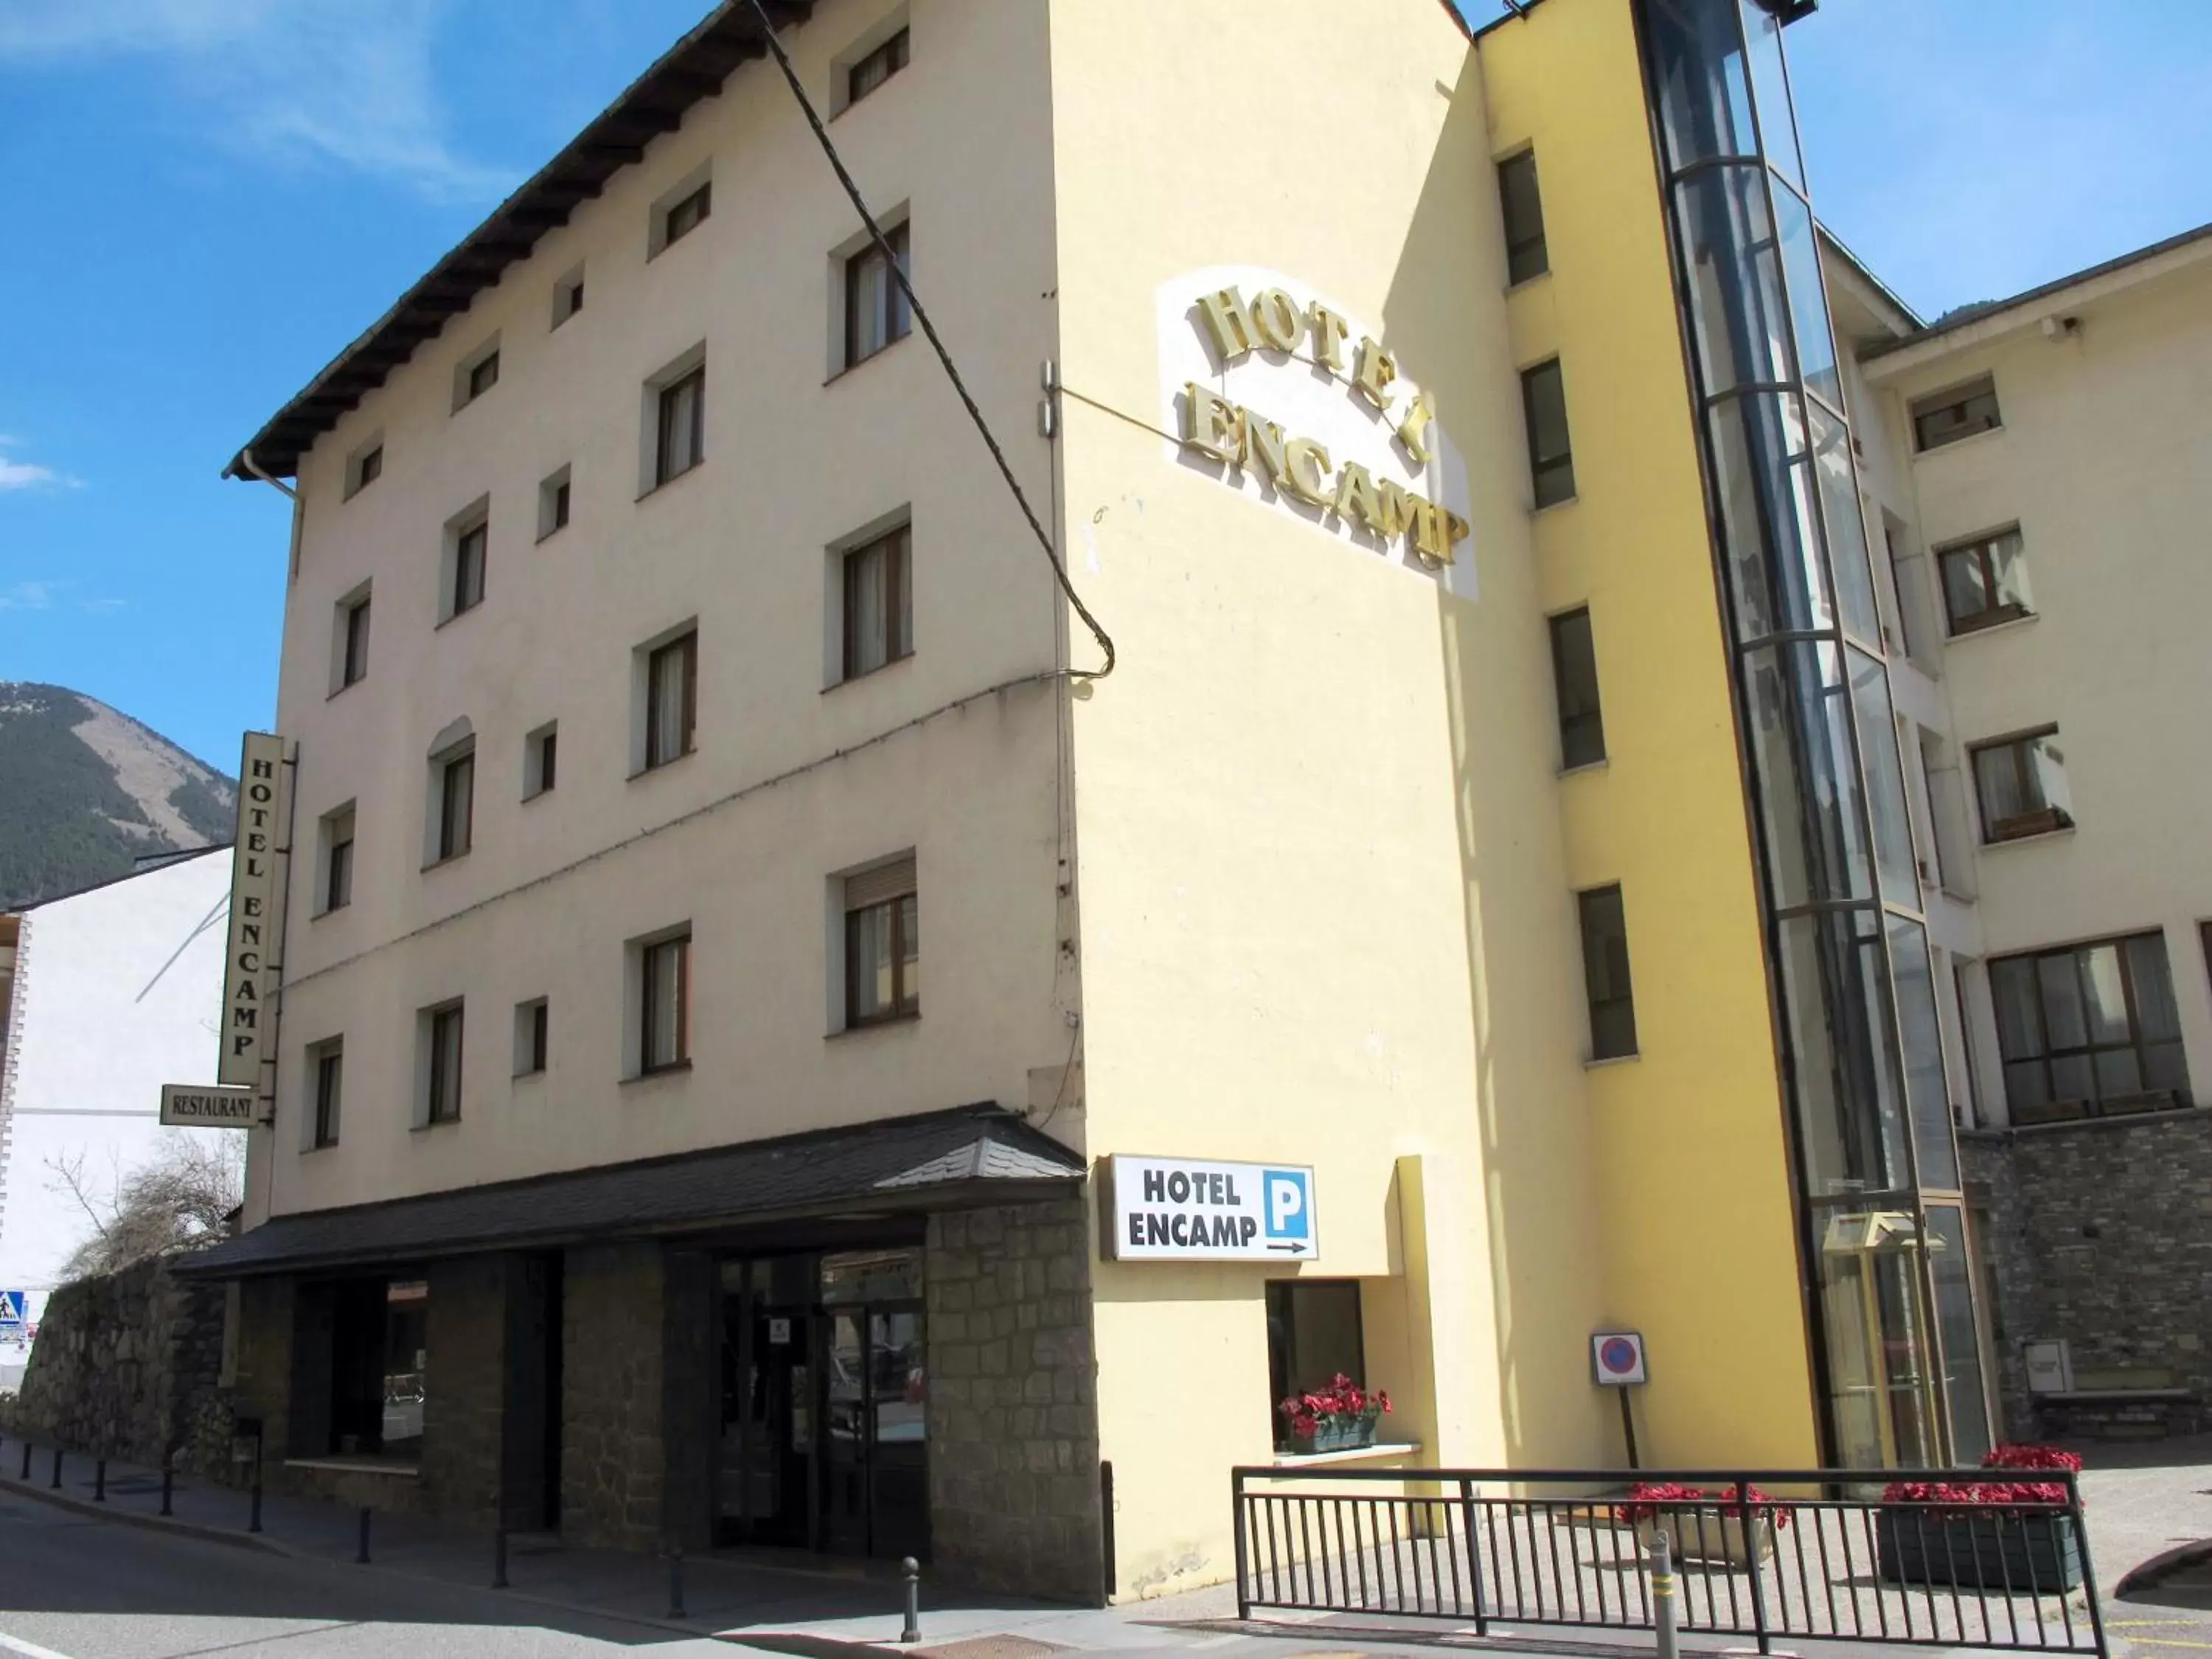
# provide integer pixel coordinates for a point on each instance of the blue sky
(203, 200)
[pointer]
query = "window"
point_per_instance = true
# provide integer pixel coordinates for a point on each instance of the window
(532, 1027)
(1984, 582)
(671, 701)
(327, 1061)
(1525, 253)
(883, 944)
(1551, 459)
(1314, 1337)
(1574, 673)
(337, 859)
(568, 296)
(374, 1333)
(457, 793)
(2021, 784)
(466, 591)
(553, 503)
(687, 214)
(441, 1095)
(353, 642)
(680, 433)
(476, 374)
(664, 1006)
(1605, 972)
(878, 67)
(365, 468)
(1944, 418)
(878, 603)
(541, 755)
(2089, 1030)
(876, 309)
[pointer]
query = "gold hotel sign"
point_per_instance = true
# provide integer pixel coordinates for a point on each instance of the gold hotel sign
(1301, 468)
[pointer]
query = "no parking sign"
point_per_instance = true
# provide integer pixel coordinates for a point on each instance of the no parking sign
(1617, 1358)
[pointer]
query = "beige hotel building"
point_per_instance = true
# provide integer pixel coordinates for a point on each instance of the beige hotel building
(1525, 856)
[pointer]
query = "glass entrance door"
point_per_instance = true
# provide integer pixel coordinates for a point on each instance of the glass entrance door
(766, 1477)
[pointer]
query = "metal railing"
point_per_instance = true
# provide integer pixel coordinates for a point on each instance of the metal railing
(1765, 1555)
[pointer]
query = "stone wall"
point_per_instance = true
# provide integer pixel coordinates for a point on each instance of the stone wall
(464, 1382)
(612, 1456)
(2101, 1233)
(1013, 1419)
(122, 1364)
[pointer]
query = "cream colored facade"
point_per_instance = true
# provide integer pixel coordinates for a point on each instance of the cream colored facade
(1296, 884)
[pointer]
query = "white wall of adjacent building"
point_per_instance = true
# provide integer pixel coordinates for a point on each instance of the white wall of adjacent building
(2099, 460)
(116, 992)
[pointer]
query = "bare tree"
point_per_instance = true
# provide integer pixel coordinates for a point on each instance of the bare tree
(179, 1201)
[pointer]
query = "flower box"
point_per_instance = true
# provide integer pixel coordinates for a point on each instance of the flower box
(1707, 1536)
(1335, 1434)
(2023, 1552)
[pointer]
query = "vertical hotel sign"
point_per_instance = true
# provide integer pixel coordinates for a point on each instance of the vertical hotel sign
(248, 1029)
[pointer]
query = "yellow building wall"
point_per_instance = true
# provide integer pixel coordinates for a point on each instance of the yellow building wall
(1325, 914)
(1691, 1168)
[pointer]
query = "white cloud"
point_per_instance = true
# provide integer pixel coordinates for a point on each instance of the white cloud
(27, 475)
(27, 596)
(291, 82)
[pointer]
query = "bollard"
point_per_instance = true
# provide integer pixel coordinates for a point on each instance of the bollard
(168, 1480)
(253, 1516)
(361, 1551)
(55, 1484)
(676, 1580)
(99, 1481)
(499, 1559)
(26, 1460)
(1663, 1612)
(911, 1631)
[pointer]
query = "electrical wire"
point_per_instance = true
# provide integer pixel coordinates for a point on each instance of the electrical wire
(952, 374)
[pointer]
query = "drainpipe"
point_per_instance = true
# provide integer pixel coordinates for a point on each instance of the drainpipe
(245, 456)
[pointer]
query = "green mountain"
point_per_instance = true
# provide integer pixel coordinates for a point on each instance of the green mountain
(85, 792)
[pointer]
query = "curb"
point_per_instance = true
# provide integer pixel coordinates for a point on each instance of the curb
(2145, 1575)
(169, 1524)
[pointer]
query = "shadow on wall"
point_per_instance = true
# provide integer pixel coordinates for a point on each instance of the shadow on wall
(1537, 1163)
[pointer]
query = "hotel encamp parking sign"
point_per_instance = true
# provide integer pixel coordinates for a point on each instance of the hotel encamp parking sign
(1180, 1209)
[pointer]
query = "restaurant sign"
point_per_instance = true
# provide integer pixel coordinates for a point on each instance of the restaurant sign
(194, 1106)
(248, 980)
(1180, 1209)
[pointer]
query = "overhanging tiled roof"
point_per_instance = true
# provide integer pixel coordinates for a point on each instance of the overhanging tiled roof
(694, 68)
(978, 1154)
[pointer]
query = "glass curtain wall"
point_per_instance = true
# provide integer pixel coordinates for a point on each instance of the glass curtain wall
(1877, 1164)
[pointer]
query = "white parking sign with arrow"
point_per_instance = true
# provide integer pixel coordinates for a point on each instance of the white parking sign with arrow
(1176, 1209)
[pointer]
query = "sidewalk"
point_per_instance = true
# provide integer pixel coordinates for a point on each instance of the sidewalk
(736, 1595)
(2141, 1499)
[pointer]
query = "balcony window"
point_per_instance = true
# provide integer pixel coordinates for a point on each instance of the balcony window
(883, 944)
(876, 309)
(2089, 1030)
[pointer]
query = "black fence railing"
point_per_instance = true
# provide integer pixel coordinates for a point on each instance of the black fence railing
(1765, 1555)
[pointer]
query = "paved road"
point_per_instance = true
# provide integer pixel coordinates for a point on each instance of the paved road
(79, 1588)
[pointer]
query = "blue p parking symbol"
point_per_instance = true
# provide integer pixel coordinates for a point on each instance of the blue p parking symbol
(1288, 1195)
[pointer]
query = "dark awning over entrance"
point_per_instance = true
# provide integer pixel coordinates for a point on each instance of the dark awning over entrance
(976, 1154)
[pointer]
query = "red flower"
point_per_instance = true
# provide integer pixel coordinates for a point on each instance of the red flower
(1342, 1399)
(1649, 1500)
(1962, 1495)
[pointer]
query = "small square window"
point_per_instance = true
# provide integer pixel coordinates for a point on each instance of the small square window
(2020, 782)
(1526, 255)
(568, 296)
(878, 603)
(1551, 456)
(680, 432)
(1605, 971)
(326, 1075)
(671, 701)
(664, 1007)
(476, 374)
(365, 468)
(440, 1096)
(688, 214)
(553, 504)
(876, 309)
(533, 1036)
(1984, 582)
(1944, 418)
(337, 837)
(868, 73)
(883, 944)
(541, 752)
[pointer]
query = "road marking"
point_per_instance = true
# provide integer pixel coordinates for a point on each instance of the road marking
(2166, 1642)
(27, 1649)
